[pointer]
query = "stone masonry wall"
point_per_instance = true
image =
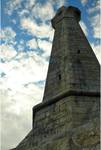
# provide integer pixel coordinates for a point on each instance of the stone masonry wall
(73, 64)
(70, 124)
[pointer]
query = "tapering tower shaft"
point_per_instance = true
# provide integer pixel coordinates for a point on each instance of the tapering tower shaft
(73, 65)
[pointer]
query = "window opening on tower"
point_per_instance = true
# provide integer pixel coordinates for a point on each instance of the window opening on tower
(59, 76)
(78, 51)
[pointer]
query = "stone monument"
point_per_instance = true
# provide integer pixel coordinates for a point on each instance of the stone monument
(69, 116)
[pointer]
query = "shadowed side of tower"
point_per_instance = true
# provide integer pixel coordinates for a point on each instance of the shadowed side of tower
(69, 116)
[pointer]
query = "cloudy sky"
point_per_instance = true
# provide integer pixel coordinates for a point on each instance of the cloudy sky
(26, 40)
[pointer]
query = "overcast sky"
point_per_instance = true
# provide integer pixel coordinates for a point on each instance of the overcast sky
(26, 41)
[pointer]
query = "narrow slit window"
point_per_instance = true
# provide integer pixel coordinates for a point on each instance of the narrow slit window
(59, 76)
(78, 51)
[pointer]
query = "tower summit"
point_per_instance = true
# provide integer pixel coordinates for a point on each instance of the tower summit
(69, 116)
(64, 12)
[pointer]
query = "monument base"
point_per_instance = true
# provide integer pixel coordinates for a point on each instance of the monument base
(69, 123)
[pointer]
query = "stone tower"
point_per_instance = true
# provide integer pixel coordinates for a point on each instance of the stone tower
(69, 116)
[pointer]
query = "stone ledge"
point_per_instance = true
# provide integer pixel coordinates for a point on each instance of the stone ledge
(60, 97)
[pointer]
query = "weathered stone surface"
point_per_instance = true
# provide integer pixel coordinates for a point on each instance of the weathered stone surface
(68, 124)
(69, 116)
(88, 134)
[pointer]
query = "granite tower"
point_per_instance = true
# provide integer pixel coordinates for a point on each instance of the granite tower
(69, 116)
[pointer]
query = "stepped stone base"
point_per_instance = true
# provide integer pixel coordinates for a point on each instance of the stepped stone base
(72, 123)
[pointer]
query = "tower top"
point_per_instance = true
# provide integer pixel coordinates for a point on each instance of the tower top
(66, 12)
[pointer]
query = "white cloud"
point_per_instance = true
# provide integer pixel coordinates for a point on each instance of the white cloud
(30, 4)
(20, 47)
(58, 3)
(46, 46)
(23, 12)
(84, 27)
(17, 109)
(14, 21)
(84, 2)
(41, 10)
(12, 5)
(8, 35)
(27, 69)
(19, 94)
(32, 44)
(94, 18)
(95, 7)
(7, 52)
(40, 31)
(96, 24)
(36, 9)
(44, 12)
